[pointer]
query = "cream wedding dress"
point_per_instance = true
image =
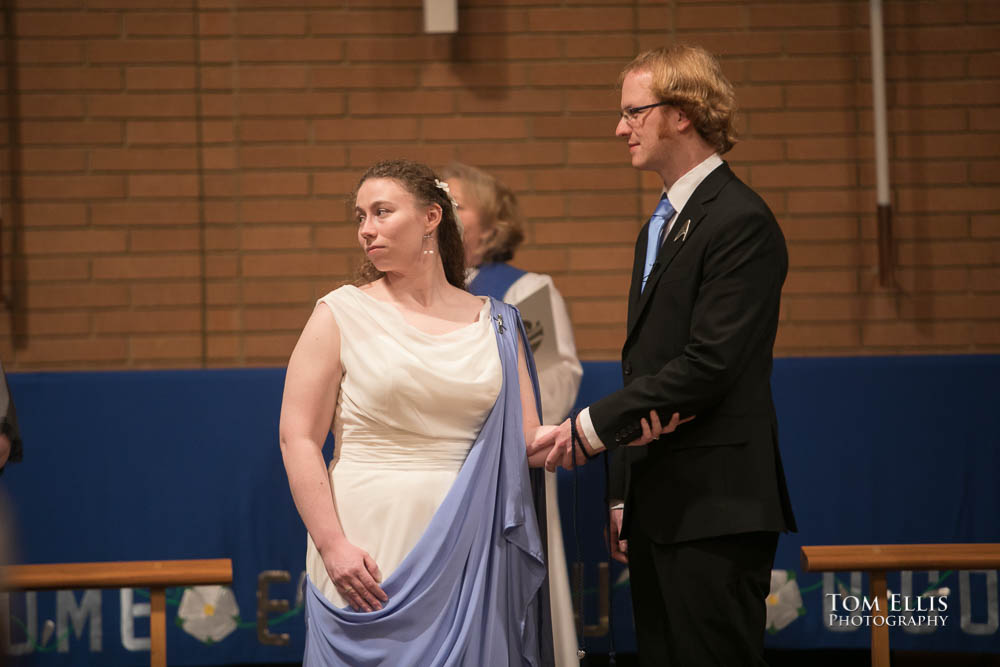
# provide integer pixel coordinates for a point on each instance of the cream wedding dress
(410, 406)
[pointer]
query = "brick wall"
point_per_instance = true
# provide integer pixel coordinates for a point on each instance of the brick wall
(176, 171)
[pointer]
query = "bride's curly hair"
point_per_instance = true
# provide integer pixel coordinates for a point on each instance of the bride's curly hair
(421, 182)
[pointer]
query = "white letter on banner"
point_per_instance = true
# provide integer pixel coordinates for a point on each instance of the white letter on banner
(67, 611)
(129, 613)
(965, 598)
(828, 602)
(30, 624)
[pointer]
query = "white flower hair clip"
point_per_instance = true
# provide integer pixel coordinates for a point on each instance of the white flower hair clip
(442, 185)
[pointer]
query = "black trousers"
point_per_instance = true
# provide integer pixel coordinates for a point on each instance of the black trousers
(701, 603)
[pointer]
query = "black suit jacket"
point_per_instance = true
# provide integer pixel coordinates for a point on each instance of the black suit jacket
(700, 339)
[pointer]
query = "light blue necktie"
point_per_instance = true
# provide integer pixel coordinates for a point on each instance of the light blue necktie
(657, 223)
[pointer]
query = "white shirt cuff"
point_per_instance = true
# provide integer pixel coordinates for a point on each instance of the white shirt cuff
(589, 432)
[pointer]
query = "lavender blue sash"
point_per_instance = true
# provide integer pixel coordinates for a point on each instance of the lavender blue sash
(468, 592)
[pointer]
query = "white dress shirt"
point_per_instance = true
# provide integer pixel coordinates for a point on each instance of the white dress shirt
(678, 194)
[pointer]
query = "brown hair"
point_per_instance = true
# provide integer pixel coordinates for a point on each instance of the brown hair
(690, 78)
(421, 182)
(502, 221)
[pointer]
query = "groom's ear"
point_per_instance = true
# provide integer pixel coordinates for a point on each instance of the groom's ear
(680, 119)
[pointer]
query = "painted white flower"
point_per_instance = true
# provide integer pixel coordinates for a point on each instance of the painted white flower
(208, 613)
(784, 603)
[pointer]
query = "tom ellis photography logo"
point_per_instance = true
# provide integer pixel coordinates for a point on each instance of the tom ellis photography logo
(896, 610)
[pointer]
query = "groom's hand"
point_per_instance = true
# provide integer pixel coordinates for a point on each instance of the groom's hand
(557, 441)
(653, 429)
(562, 452)
(617, 547)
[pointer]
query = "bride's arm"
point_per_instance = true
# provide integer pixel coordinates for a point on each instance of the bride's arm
(312, 383)
(532, 427)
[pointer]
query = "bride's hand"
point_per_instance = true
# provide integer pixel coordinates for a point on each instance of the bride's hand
(355, 575)
(538, 449)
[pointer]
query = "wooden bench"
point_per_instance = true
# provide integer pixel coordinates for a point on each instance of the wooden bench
(877, 559)
(157, 575)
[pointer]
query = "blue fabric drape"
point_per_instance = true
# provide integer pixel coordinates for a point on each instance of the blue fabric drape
(494, 279)
(468, 592)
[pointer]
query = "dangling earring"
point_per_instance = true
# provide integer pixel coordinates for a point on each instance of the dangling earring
(428, 251)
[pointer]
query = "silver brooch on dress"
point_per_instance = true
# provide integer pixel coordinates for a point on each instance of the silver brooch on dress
(499, 319)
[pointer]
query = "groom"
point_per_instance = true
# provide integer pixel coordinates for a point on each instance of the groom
(696, 514)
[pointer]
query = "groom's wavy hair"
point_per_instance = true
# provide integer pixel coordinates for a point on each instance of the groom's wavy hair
(691, 79)
(421, 182)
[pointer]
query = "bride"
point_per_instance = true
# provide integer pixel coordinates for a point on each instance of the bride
(423, 545)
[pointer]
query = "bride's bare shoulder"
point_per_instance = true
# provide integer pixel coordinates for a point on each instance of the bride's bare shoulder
(467, 299)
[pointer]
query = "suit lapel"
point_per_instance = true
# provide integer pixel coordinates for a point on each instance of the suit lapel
(639, 263)
(687, 221)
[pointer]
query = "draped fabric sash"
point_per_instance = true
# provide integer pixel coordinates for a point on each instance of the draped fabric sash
(494, 279)
(467, 594)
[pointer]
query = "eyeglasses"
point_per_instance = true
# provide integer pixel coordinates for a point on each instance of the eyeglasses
(631, 114)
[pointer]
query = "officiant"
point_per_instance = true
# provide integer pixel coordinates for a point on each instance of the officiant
(493, 229)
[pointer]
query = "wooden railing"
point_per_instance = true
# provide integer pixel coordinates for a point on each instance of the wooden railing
(157, 575)
(877, 559)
